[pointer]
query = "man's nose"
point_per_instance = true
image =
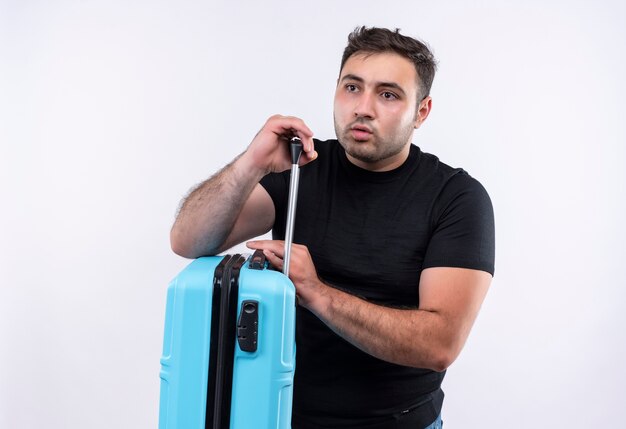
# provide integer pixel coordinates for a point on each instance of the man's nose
(365, 106)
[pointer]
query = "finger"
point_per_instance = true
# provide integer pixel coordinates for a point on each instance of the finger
(310, 156)
(285, 124)
(291, 125)
(273, 259)
(308, 145)
(275, 246)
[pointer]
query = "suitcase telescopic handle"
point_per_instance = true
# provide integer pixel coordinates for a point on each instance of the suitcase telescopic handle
(295, 145)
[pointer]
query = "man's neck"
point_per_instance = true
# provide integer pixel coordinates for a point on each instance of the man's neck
(386, 164)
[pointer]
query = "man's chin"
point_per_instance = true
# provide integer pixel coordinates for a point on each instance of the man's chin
(362, 155)
(360, 143)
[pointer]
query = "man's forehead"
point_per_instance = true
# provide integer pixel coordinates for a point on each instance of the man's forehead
(380, 67)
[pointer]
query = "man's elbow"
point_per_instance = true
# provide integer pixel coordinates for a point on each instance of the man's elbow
(180, 245)
(442, 361)
(444, 356)
(185, 246)
(180, 249)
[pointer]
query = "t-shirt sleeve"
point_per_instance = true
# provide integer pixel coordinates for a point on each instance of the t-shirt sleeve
(463, 227)
(277, 185)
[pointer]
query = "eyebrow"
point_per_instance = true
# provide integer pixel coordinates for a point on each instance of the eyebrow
(377, 84)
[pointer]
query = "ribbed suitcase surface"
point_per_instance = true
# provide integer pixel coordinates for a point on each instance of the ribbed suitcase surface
(262, 379)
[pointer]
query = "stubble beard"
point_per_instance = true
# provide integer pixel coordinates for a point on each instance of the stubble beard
(375, 149)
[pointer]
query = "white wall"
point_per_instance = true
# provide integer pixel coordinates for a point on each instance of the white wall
(111, 110)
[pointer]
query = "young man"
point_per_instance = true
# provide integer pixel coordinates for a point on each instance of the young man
(394, 253)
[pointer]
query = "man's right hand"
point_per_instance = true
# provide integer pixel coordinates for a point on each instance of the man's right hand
(269, 151)
(231, 206)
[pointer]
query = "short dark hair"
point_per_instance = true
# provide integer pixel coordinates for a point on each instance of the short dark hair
(379, 40)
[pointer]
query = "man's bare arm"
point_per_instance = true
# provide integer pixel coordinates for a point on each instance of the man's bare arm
(231, 206)
(206, 222)
(431, 336)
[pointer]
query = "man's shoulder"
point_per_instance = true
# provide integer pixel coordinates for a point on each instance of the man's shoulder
(450, 179)
(326, 146)
(431, 168)
(431, 162)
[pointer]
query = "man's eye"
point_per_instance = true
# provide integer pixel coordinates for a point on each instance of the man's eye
(389, 95)
(351, 88)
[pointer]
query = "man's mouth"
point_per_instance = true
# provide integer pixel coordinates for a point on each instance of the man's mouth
(361, 132)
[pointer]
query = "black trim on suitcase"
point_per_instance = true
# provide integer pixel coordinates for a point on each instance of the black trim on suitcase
(226, 343)
(222, 267)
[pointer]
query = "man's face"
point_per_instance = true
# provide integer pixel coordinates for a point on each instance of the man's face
(376, 109)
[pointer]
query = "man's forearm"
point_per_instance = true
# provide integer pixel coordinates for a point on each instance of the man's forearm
(431, 336)
(411, 337)
(208, 213)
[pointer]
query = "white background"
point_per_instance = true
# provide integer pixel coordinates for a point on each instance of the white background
(111, 110)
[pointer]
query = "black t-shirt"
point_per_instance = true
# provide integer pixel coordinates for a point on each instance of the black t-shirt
(371, 234)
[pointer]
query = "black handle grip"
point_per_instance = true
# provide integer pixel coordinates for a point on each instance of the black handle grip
(295, 145)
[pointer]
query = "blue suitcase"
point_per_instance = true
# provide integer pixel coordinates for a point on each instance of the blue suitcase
(230, 321)
(229, 344)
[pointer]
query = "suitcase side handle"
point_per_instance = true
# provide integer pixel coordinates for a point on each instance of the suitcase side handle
(257, 260)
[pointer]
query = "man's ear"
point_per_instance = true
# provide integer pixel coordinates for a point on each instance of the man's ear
(423, 110)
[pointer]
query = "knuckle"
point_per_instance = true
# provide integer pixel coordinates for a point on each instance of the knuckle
(272, 119)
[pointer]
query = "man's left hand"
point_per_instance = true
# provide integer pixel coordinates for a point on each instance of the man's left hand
(302, 272)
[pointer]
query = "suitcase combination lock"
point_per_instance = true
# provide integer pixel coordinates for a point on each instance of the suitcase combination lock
(248, 326)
